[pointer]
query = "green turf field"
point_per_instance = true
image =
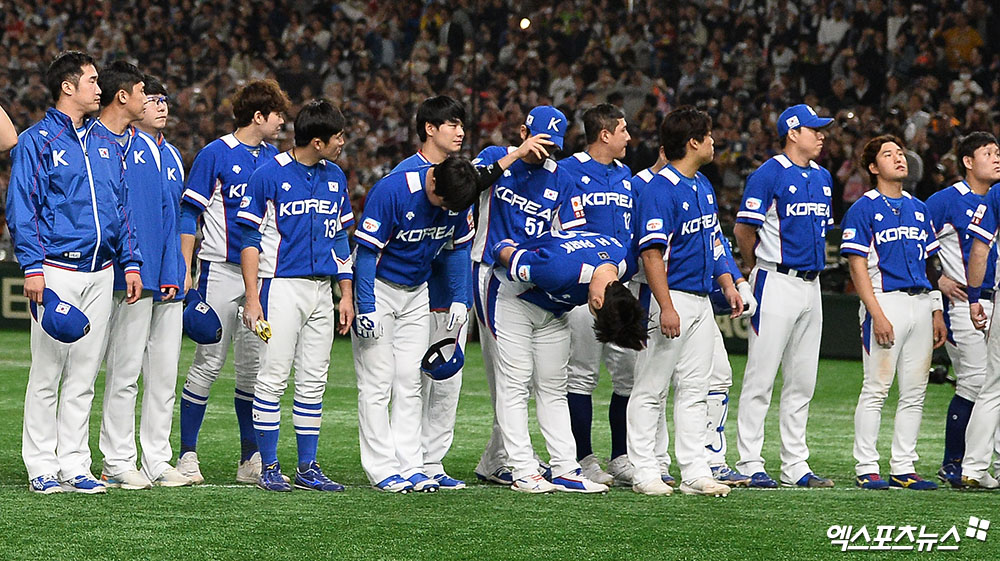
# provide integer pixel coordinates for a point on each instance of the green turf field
(222, 521)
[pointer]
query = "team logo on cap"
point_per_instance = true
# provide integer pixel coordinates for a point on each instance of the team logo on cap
(371, 225)
(554, 124)
(529, 120)
(62, 308)
(792, 121)
(753, 204)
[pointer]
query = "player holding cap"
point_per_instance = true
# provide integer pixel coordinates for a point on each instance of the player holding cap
(781, 232)
(545, 277)
(215, 189)
(985, 418)
(887, 238)
(66, 188)
(956, 211)
(294, 218)
(682, 251)
(522, 204)
(409, 217)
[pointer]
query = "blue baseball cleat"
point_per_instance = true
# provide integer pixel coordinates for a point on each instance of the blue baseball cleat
(951, 473)
(761, 480)
(394, 484)
(811, 481)
(668, 479)
(271, 479)
(423, 484)
(312, 478)
(576, 482)
(85, 484)
(500, 476)
(911, 481)
(446, 481)
(729, 476)
(871, 481)
(45, 484)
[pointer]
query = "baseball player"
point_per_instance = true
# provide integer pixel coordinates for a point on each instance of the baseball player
(985, 418)
(8, 134)
(887, 238)
(956, 210)
(409, 218)
(523, 203)
(781, 232)
(163, 347)
(680, 245)
(297, 207)
(69, 222)
(215, 189)
(545, 277)
(603, 194)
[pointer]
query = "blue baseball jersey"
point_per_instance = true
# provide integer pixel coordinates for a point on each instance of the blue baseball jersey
(602, 195)
(986, 226)
(895, 235)
(681, 214)
(172, 168)
(640, 181)
(438, 291)
(400, 222)
(560, 265)
(216, 186)
(791, 206)
(957, 212)
(303, 213)
(526, 202)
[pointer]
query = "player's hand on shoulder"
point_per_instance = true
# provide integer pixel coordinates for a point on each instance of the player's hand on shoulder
(34, 287)
(670, 323)
(882, 330)
(978, 315)
(951, 289)
(368, 326)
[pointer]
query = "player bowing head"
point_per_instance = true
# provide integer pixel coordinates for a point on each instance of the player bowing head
(454, 184)
(261, 103)
(618, 317)
(440, 126)
(320, 125)
(688, 129)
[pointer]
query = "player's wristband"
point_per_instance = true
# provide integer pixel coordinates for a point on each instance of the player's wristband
(974, 293)
(501, 245)
(937, 305)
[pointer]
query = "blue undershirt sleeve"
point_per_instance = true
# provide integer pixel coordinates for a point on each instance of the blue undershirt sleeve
(364, 278)
(189, 218)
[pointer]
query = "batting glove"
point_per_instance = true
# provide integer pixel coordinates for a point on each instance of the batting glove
(263, 330)
(458, 314)
(368, 326)
(749, 302)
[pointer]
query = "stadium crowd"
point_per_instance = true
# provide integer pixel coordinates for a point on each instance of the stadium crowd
(927, 71)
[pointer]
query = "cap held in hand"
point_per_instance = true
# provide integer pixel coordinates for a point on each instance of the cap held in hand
(61, 320)
(201, 323)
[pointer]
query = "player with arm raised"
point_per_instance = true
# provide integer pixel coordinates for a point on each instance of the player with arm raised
(409, 217)
(781, 232)
(957, 211)
(888, 237)
(215, 189)
(681, 250)
(294, 219)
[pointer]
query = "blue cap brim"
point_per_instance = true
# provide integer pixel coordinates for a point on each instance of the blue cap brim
(818, 122)
(557, 140)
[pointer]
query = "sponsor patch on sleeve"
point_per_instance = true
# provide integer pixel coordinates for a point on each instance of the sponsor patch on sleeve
(371, 225)
(849, 234)
(577, 204)
(524, 272)
(654, 224)
(753, 204)
(245, 202)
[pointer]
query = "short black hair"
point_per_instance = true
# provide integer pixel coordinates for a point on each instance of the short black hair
(265, 96)
(603, 117)
(455, 181)
(119, 75)
(437, 111)
(153, 85)
(68, 66)
(869, 154)
(680, 126)
(317, 119)
(621, 319)
(968, 144)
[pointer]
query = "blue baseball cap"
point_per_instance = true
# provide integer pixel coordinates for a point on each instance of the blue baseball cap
(800, 115)
(546, 119)
(443, 359)
(61, 320)
(201, 323)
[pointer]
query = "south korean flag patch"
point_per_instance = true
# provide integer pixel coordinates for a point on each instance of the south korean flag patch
(104, 153)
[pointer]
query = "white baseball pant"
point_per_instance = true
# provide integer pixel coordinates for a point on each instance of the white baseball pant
(388, 368)
(980, 435)
(159, 386)
(719, 381)
(909, 361)
(127, 338)
(56, 433)
(967, 349)
(786, 332)
(224, 292)
(532, 348)
(494, 455)
(440, 405)
(586, 355)
(684, 362)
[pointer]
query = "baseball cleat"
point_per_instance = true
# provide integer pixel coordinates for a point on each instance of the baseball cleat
(534, 483)
(312, 478)
(951, 474)
(394, 484)
(423, 484)
(500, 476)
(591, 469)
(187, 465)
(987, 481)
(85, 484)
(810, 481)
(130, 480)
(729, 476)
(871, 481)
(271, 479)
(576, 482)
(761, 480)
(249, 471)
(44, 484)
(668, 479)
(545, 470)
(911, 481)
(705, 486)
(622, 470)
(653, 487)
(446, 481)
(171, 477)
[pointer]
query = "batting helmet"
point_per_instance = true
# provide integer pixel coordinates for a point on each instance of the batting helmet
(201, 323)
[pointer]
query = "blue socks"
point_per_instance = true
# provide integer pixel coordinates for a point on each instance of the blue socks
(192, 415)
(617, 418)
(267, 418)
(581, 416)
(243, 403)
(307, 417)
(959, 412)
